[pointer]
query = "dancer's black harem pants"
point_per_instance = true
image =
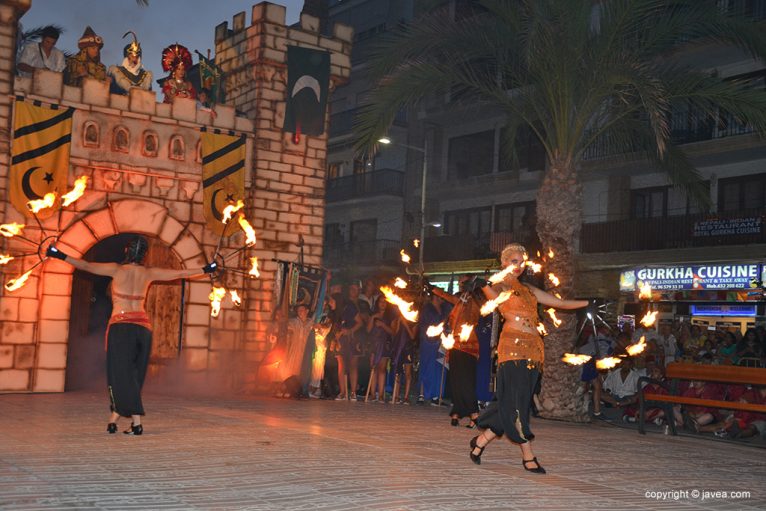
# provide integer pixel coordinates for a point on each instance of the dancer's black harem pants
(127, 357)
(509, 415)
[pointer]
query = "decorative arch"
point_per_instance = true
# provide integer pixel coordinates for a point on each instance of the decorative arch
(121, 140)
(177, 148)
(91, 134)
(150, 143)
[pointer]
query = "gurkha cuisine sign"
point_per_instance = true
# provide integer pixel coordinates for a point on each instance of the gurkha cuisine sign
(717, 277)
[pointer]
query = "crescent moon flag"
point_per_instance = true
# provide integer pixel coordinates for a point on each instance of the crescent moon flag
(308, 80)
(42, 136)
(223, 177)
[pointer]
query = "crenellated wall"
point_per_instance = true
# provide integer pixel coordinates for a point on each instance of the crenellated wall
(143, 159)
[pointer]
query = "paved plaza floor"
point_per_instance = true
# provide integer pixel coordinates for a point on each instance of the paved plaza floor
(277, 454)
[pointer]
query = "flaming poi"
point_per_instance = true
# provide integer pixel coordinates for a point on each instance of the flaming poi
(535, 267)
(416, 242)
(229, 210)
(405, 307)
(465, 332)
(435, 330)
(635, 349)
(248, 229)
(5, 258)
(649, 318)
(550, 253)
(491, 305)
(14, 284)
(645, 291)
(235, 299)
(75, 193)
(575, 359)
(11, 230)
(405, 257)
(552, 313)
(500, 276)
(254, 268)
(401, 284)
(448, 341)
(554, 279)
(48, 200)
(216, 295)
(607, 362)
(541, 329)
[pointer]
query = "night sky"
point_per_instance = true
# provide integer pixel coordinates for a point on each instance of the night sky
(164, 22)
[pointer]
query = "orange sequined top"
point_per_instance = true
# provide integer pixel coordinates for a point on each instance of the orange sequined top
(519, 339)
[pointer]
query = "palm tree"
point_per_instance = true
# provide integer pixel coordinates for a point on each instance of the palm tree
(575, 72)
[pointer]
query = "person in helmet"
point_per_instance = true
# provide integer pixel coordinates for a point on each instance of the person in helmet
(129, 334)
(131, 73)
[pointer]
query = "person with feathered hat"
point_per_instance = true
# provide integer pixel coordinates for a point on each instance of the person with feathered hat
(177, 60)
(131, 73)
(87, 62)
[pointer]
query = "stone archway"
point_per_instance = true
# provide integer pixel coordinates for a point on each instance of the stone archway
(124, 216)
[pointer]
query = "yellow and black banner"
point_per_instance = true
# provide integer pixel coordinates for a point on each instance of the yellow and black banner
(223, 177)
(39, 153)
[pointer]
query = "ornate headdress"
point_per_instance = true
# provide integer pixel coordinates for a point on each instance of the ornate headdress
(90, 38)
(174, 55)
(133, 48)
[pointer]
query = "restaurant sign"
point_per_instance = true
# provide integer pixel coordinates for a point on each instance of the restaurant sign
(696, 277)
(728, 227)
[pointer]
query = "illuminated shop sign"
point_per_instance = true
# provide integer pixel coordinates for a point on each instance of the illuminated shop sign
(697, 277)
(723, 310)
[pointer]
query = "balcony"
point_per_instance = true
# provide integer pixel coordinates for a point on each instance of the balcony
(366, 184)
(673, 232)
(361, 253)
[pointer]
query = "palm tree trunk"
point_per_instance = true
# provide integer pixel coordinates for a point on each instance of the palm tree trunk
(559, 221)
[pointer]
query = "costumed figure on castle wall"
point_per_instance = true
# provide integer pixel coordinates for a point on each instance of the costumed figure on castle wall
(86, 62)
(131, 72)
(177, 60)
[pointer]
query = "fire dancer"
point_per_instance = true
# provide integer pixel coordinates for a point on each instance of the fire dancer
(129, 334)
(520, 356)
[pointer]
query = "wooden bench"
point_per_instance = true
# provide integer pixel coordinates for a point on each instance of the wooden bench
(682, 371)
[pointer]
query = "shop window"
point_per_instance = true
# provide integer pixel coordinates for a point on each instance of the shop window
(151, 143)
(177, 148)
(121, 142)
(91, 134)
(471, 155)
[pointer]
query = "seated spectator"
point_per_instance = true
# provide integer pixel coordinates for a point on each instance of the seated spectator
(727, 352)
(204, 103)
(743, 424)
(694, 417)
(655, 414)
(43, 54)
(620, 388)
(749, 348)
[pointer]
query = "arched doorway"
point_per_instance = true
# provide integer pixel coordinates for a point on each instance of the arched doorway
(92, 306)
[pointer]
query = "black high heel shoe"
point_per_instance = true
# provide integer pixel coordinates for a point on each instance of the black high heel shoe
(538, 470)
(454, 422)
(134, 430)
(111, 428)
(476, 458)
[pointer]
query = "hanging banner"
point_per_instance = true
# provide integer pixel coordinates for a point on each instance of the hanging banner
(42, 136)
(308, 82)
(223, 178)
(696, 277)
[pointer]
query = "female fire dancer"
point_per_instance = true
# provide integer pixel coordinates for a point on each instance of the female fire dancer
(519, 357)
(129, 334)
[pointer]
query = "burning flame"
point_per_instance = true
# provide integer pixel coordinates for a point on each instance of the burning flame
(538, 253)
(14, 284)
(254, 269)
(229, 210)
(575, 359)
(235, 299)
(535, 267)
(435, 330)
(75, 193)
(607, 362)
(649, 319)
(405, 257)
(557, 296)
(500, 276)
(5, 258)
(552, 313)
(11, 230)
(491, 305)
(46, 202)
(404, 307)
(541, 329)
(448, 341)
(400, 283)
(635, 349)
(216, 295)
(645, 291)
(249, 231)
(465, 332)
(416, 242)
(554, 279)
(550, 253)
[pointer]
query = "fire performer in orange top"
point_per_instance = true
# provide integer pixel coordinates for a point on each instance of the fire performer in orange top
(463, 356)
(129, 334)
(519, 358)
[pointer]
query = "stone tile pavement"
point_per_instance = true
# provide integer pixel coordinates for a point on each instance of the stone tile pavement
(271, 454)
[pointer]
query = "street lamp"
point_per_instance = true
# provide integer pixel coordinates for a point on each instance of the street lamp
(424, 151)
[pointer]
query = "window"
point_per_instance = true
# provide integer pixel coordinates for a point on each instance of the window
(333, 170)
(361, 165)
(649, 203)
(530, 152)
(91, 134)
(121, 140)
(510, 217)
(364, 230)
(177, 148)
(333, 234)
(740, 193)
(476, 223)
(471, 155)
(150, 144)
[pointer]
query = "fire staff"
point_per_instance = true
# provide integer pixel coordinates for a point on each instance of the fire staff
(129, 334)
